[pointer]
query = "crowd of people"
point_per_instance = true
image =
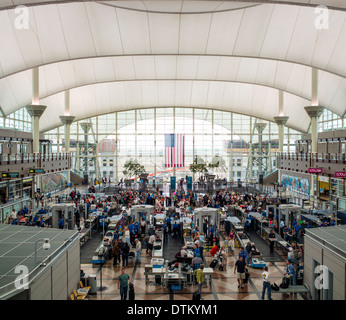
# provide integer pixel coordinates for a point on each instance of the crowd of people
(131, 234)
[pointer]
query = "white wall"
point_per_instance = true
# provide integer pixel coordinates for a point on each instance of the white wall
(335, 263)
(61, 278)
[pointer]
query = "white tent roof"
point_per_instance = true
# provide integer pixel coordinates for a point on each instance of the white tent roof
(120, 55)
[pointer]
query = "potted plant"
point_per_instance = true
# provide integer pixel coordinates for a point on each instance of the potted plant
(218, 165)
(198, 166)
(132, 168)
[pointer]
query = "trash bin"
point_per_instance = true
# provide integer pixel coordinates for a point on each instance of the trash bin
(92, 283)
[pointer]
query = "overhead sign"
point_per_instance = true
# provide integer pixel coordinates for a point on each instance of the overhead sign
(315, 170)
(341, 174)
(9, 175)
(173, 182)
(35, 171)
(189, 183)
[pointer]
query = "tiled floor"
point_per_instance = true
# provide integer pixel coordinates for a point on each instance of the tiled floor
(224, 283)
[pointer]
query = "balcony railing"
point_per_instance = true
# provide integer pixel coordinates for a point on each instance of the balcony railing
(339, 157)
(32, 157)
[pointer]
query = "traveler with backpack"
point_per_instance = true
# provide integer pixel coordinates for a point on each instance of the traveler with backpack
(266, 284)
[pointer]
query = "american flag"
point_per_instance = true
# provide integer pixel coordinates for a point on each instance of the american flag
(174, 150)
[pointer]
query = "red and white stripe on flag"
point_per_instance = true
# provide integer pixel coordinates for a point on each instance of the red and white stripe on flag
(174, 150)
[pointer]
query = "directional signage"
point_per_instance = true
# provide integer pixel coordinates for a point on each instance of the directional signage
(35, 171)
(9, 175)
(189, 183)
(173, 182)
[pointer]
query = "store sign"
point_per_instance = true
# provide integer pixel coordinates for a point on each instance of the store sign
(34, 171)
(341, 174)
(9, 175)
(323, 179)
(315, 170)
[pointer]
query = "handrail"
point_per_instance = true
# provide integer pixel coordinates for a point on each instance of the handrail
(32, 157)
(312, 156)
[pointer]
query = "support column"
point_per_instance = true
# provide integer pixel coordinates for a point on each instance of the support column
(212, 135)
(314, 113)
(156, 181)
(251, 152)
(67, 121)
(136, 153)
(35, 111)
(280, 121)
(269, 155)
(116, 148)
(193, 142)
(97, 173)
(231, 152)
(86, 127)
(260, 126)
(174, 170)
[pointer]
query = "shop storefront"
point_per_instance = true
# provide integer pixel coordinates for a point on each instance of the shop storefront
(323, 187)
(337, 188)
(27, 187)
(15, 190)
(3, 191)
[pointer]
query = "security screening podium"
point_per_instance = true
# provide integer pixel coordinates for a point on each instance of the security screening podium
(64, 211)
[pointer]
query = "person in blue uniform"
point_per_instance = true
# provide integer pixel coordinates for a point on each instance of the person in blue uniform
(297, 229)
(168, 221)
(61, 223)
(175, 229)
(136, 227)
(211, 232)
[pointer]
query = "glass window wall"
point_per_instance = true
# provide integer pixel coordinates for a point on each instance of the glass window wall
(101, 145)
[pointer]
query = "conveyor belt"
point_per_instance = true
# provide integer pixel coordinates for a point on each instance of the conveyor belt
(263, 247)
(171, 246)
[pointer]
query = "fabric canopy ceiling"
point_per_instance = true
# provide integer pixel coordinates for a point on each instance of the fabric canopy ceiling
(225, 55)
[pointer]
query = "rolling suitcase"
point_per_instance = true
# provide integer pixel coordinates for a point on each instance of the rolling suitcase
(131, 292)
(247, 276)
(196, 296)
(157, 279)
(214, 263)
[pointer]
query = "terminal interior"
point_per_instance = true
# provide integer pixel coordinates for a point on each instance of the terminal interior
(170, 138)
